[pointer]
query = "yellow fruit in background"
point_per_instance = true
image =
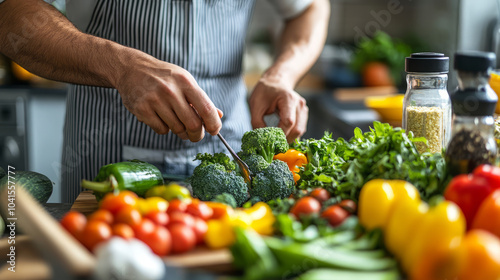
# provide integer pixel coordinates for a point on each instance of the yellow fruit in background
(495, 85)
(21, 73)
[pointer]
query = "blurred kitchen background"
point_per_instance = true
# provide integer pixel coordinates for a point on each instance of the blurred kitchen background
(339, 88)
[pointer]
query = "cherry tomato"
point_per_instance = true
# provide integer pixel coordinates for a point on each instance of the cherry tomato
(94, 233)
(74, 222)
(123, 230)
(102, 215)
(114, 202)
(159, 240)
(177, 205)
(320, 194)
(335, 215)
(183, 238)
(159, 218)
(348, 205)
(199, 209)
(305, 206)
(129, 216)
(200, 229)
(181, 218)
(143, 229)
(152, 204)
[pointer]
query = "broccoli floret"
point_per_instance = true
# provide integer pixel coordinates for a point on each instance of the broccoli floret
(255, 162)
(276, 181)
(219, 158)
(210, 180)
(226, 199)
(266, 141)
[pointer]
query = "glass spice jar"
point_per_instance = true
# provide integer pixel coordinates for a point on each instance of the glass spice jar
(427, 105)
(472, 142)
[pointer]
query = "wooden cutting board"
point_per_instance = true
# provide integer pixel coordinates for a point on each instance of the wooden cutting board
(218, 261)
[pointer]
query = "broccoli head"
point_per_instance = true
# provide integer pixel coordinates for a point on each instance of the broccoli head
(276, 181)
(226, 199)
(209, 180)
(219, 158)
(255, 162)
(266, 141)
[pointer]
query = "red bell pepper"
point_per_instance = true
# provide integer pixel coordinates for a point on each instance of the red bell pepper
(469, 190)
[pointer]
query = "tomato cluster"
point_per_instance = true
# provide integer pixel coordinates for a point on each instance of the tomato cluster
(174, 226)
(313, 204)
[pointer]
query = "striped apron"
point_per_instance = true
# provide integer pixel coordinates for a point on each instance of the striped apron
(206, 37)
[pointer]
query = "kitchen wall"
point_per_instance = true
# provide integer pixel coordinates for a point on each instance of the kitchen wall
(438, 25)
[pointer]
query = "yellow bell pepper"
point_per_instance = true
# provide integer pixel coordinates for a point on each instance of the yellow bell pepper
(262, 218)
(294, 159)
(220, 232)
(377, 198)
(151, 204)
(436, 232)
(401, 226)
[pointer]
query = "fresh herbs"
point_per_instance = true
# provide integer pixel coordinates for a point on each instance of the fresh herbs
(343, 167)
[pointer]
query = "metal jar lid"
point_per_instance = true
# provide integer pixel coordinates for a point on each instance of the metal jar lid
(427, 62)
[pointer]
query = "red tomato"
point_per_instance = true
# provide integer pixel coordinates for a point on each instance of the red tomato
(74, 222)
(305, 206)
(123, 230)
(183, 238)
(159, 218)
(129, 216)
(335, 215)
(177, 205)
(102, 215)
(199, 209)
(159, 240)
(348, 205)
(94, 233)
(114, 202)
(144, 228)
(320, 194)
(181, 218)
(200, 229)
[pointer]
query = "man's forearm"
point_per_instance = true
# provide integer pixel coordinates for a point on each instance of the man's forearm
(42, 40)
(301, 43)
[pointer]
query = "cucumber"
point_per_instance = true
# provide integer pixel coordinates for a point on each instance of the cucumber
(337, 274)
(38, 185)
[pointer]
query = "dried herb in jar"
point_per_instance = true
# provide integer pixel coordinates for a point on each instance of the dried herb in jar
(467, 150)
(427, 122)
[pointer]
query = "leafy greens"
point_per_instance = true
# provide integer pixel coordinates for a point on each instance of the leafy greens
(343, 167)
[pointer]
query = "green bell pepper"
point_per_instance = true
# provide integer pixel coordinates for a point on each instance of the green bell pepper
(135, 175)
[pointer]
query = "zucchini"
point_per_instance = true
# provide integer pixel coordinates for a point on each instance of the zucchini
(38, 185)
(2, 172)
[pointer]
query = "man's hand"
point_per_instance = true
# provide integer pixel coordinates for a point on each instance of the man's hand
(163, 95)
(272, 96)
(300, 44)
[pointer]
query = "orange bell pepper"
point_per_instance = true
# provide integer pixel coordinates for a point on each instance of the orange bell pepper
(482, 256)
(488, 215)
(294, 159)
